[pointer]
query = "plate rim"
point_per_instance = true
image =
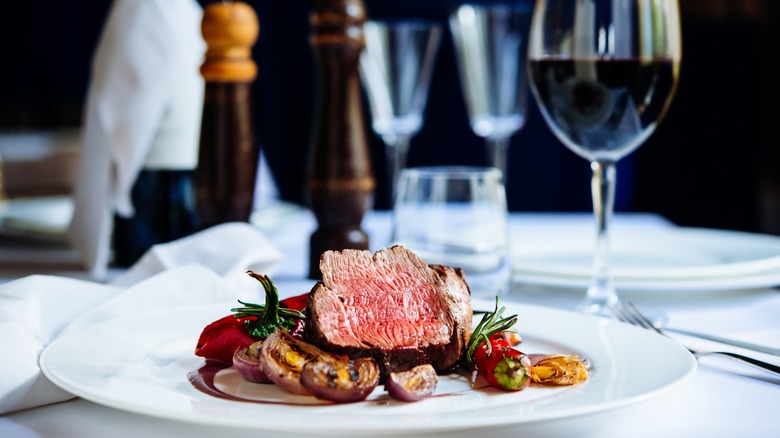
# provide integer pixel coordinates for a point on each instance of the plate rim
(696, 286)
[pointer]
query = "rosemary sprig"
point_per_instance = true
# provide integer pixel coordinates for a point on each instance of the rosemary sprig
(251, 309)
(490, 324)
(271, 315)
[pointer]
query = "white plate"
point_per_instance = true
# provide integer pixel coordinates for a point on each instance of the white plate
(673, 258)
(140, 363)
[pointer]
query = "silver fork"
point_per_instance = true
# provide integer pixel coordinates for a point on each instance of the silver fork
(629, 313)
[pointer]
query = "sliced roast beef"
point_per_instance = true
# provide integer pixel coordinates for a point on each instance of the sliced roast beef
(390, 306)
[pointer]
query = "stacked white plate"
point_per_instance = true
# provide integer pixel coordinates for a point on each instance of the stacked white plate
(648, 258)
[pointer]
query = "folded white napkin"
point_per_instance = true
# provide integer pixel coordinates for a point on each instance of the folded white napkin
(228, 249)
(143, 107)
(35, 310)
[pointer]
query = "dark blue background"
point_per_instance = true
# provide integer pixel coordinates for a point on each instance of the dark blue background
(713, 162)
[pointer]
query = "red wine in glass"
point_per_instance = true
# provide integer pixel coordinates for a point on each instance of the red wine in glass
(603, 108)
(604, 73)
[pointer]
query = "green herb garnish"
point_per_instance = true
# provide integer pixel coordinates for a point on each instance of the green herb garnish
(269, 316)
(491, 323)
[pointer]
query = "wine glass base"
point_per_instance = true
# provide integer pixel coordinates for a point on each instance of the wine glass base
(598, 307)
(603, 308)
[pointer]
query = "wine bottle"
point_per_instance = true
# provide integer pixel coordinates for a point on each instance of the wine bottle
(164, 211)
(163, 195)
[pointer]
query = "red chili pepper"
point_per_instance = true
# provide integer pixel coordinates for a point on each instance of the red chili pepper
(503, 366)
(298, 329)
(508, 369)
(497, 341)
(490, 351)
(220, 339)
(298, 302)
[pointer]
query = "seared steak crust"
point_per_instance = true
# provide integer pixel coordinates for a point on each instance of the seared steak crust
(390, 306)
(458, 296)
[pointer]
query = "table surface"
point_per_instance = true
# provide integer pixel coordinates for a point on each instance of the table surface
(722, 398)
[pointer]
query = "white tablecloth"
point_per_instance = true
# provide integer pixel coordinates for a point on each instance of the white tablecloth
(721, 399)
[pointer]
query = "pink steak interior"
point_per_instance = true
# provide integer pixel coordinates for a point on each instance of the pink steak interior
(386, 301)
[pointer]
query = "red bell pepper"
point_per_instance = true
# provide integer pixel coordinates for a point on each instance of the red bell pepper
(220, 339)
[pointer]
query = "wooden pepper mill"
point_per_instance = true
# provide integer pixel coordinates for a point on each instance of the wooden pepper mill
(341, 184)
(227, 163)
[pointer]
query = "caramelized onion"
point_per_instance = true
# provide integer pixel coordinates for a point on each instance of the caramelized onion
(339, 379)
(413, 385)
(247, 362)
(301, 368)
(283, 358)
(558, 370)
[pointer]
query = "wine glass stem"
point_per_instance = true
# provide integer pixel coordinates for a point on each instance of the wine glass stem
(602, 291)
(396, 150)
(497, 151)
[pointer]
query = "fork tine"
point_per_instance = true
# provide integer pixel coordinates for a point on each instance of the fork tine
(629, 314)
(618, 313)
(623, 314)
(645, 322)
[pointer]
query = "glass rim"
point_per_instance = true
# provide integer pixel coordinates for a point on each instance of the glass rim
(453, 172)
(405, 23)
(521, 7)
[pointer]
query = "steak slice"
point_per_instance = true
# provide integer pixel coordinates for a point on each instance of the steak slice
(390, 306)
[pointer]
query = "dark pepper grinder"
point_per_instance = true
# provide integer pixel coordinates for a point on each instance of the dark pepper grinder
(340, 187)
(227, 160)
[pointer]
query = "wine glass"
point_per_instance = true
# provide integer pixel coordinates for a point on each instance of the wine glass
(396, 68)
(604, 73)
(490, 47)
(456, 216)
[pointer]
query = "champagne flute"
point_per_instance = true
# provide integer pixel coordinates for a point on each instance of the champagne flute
(490, 44)
(396, 68)
(604, 73)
